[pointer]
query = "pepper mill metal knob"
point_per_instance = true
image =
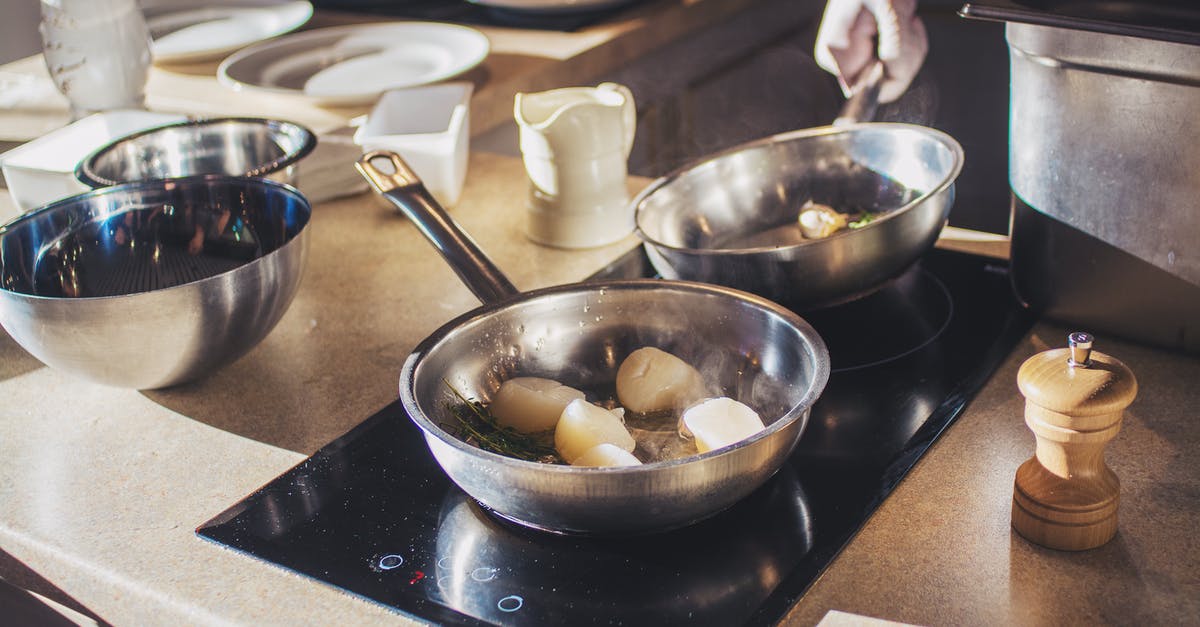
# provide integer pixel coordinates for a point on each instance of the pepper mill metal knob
(1065, 497)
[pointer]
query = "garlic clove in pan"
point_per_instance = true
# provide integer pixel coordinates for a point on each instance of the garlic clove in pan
(818, 221)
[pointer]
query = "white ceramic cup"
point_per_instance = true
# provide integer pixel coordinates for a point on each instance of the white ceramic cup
(97, 52)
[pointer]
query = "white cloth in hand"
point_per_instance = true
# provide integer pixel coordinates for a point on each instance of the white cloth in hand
(846, 42)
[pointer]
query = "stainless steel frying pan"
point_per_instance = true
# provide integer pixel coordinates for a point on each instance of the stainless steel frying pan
(730, 218)
(578, 334)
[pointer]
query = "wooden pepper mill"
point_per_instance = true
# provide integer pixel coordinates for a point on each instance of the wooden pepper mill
(1065, 497)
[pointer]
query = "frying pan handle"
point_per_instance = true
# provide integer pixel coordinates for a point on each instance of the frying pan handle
(864, 96)
(405, 190)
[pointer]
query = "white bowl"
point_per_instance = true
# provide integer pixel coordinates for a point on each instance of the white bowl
(43, 170)
(429, 127)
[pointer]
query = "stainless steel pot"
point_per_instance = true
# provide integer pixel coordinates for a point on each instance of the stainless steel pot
(730, 218)
(154, 283)
(1102, 163)
(1103, 139)
(754, 350)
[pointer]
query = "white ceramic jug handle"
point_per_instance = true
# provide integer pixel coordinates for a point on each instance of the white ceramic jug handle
(518, 113)
(628, 113)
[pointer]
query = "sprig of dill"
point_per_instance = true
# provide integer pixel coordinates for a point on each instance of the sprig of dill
(480, 428)
(866, 218)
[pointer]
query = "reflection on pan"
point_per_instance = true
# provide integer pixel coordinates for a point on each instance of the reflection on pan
(502, 572)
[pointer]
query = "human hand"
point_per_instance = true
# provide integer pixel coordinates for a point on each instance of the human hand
(846, 42)
(196, 243)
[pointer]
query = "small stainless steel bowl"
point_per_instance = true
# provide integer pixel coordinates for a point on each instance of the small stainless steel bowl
(149, 284)
(232, 146)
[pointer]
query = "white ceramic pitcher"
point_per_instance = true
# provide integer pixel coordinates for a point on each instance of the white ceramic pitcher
(97, 52)
(575, 142)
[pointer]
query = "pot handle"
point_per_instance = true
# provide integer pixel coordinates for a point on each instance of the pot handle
(405, 190)
(864, 96)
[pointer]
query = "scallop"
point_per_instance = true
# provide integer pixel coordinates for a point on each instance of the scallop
(651, 379)
(818, 221)
(531, 404)
(605, 454)
(583, 426)
(719, 422)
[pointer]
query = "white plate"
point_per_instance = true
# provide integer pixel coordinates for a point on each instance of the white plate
(185, 33)
(355, 64)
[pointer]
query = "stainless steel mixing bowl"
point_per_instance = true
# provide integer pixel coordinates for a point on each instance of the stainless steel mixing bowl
(233, 146)
(150, 284)
(730, 219)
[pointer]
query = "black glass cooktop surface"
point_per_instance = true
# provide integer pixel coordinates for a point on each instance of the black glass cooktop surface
(372, 513)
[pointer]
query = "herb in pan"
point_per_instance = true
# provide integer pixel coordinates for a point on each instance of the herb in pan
(863, 220)
(479, 428)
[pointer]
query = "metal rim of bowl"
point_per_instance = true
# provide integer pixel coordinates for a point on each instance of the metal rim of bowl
(122, 187)
(84, 173)
(639, 201)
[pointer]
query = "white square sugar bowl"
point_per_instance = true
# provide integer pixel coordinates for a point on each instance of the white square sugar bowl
(43, 170)
(429, 127)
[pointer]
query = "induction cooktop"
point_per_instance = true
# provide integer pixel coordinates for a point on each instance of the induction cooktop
(372, 514)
